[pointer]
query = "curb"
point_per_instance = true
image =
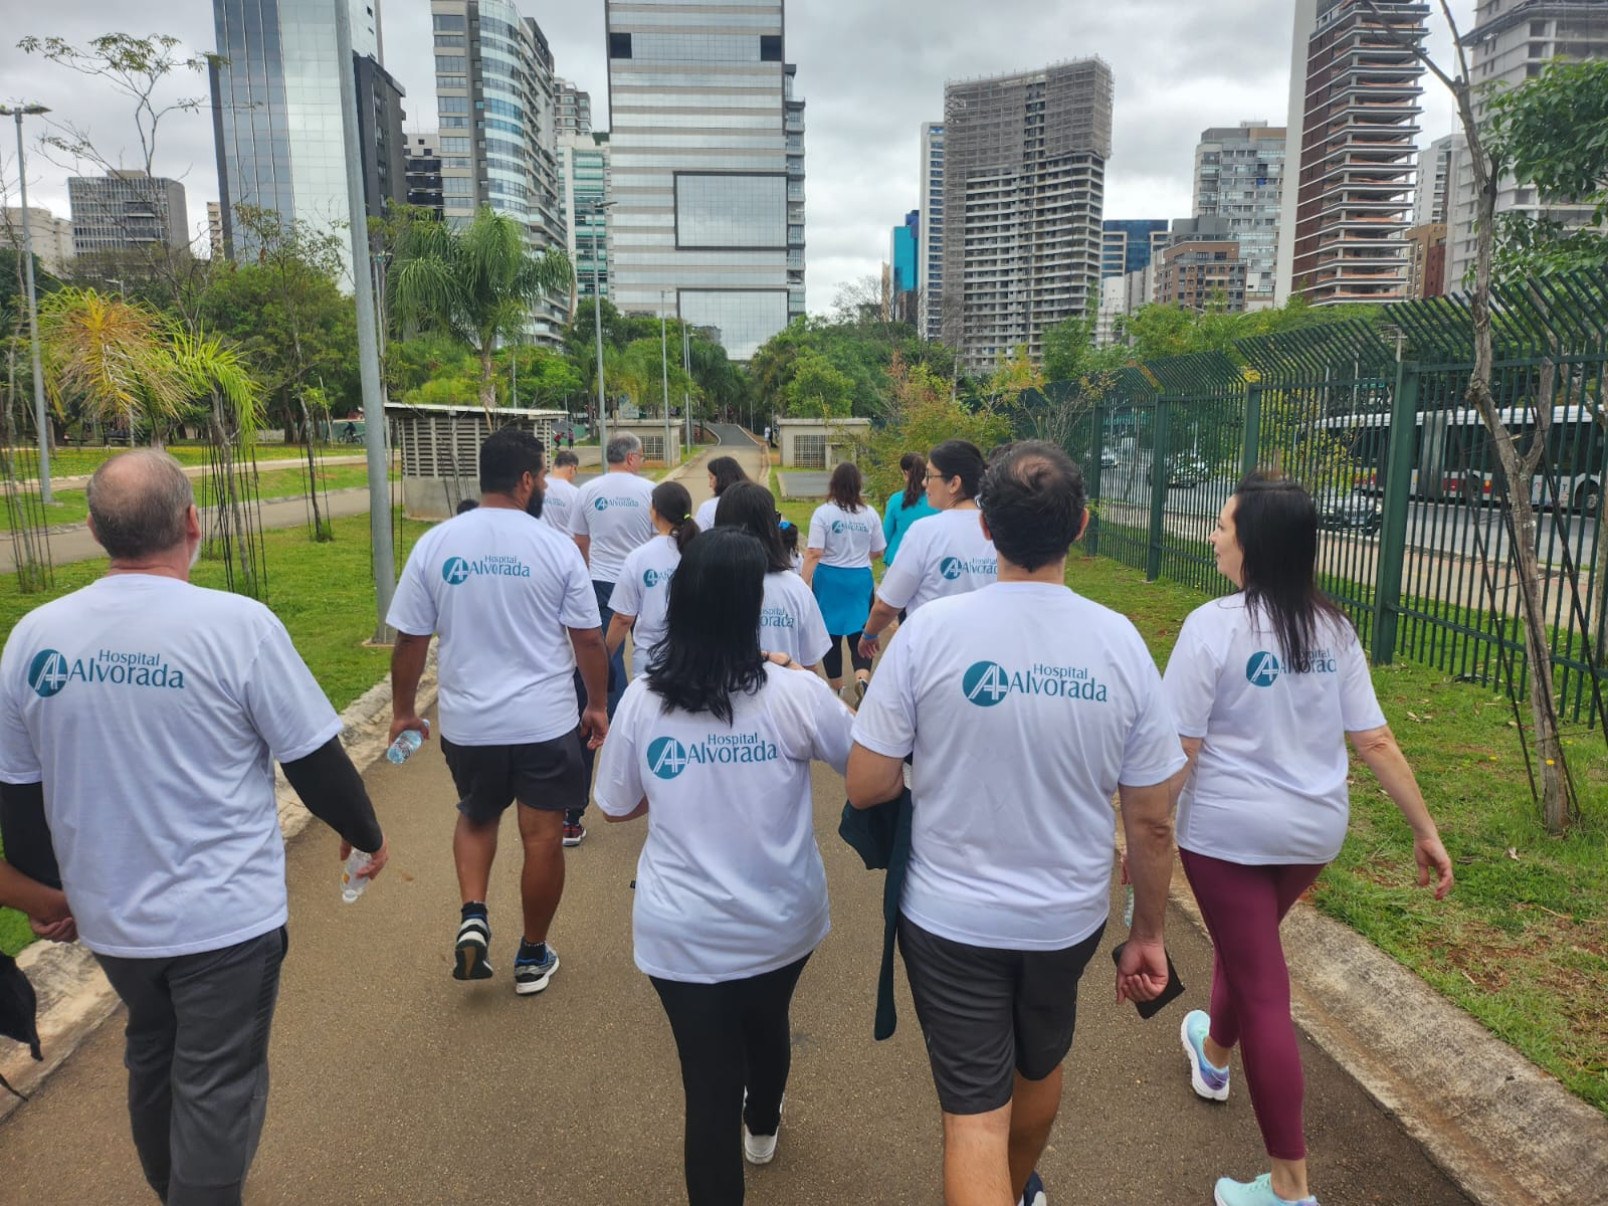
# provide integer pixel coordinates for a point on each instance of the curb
(1502, 1128)
(74, 996)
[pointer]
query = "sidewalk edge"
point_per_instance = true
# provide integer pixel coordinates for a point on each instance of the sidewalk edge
(74, 996)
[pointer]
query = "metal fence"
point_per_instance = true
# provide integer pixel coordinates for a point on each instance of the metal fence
(1416, 540)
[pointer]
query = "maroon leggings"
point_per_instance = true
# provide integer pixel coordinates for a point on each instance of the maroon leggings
(1243, 906)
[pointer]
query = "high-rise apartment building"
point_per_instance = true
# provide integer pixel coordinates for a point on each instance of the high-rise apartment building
(276, 115)
(1511, 42)
(707, 167)
(216, 247)
(1426, 264)
(126, 210)
(424, 172)
(1434, 167)
(904, 261)
(52, 237)
(1129, 244)
(1199, 274)
(1024, 194)
(583, 170)
(1239, 177)
(929, 317)
(1350, 154)
(574, 110)
(496, 101)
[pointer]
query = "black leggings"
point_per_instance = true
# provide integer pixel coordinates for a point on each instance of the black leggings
(731, 1036)
(832, 663)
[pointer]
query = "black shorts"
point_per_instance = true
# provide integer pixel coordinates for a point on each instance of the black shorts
(546, 775)
(989, 1014)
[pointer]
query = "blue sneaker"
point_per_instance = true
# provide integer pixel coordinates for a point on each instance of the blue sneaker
(532, 973)
(1255, 1193)
(1209, 1082)
(1034, 1194)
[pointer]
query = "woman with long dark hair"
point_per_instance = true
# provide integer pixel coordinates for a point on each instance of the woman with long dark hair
(1266, 686)
(944, 554)
(845, 537)
(790, 621)
(714, 746)
(641, 596)
(907, 505)
(724, 472)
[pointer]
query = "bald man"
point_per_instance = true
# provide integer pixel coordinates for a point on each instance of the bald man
(140, 719)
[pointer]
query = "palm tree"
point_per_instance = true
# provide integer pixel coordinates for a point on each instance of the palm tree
(478, 284)
(111, 359)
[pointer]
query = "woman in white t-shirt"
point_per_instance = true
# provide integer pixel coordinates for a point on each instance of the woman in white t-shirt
(715, 746)
(641, 595)
(1266, 686)
(724, 472)
(941, 555)
(790, 621)
(845, 537)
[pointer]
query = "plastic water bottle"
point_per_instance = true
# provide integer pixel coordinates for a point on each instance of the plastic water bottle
(354, 878)
(406, 745)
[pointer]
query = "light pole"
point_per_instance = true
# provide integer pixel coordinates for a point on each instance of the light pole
(18, 112)
(686, 385)
(599, 208)
(664, 367)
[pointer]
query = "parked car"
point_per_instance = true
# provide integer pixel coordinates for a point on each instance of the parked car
(1109, 458)
(1184, 470)
(1348, 511)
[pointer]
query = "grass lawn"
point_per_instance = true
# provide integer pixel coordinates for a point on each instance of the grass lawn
(323, 594)
(68, 461)
(1522, 943)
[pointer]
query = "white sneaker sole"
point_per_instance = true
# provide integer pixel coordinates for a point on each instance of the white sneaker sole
(1197, 1081)
(531, 987)
(758, 1149)
(1218, 1198)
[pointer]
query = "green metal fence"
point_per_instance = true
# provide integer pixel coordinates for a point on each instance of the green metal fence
(1372, 418)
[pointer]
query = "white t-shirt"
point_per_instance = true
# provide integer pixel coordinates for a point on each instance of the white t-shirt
(942, 555)
(501, 589)
(790, 620)
(558, 503)
(705, 515)
(730, 882)
(153, 711)
(643, 591)
(1270, 781)
(850, 538)
(612, 510)
(1025, 706)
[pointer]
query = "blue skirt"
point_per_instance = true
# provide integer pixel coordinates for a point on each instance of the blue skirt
(844, 596)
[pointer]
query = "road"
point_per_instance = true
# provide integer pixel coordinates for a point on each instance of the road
(395, 1084)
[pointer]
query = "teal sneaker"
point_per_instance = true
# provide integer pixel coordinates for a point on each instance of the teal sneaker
(1255, 1193)
(1209, 1082)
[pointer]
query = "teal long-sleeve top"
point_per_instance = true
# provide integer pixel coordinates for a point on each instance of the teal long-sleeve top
(897, 518)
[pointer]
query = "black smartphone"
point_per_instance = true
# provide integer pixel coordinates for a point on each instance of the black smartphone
(1174, 989)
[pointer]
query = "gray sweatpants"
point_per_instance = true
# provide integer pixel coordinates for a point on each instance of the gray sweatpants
(197, 1058)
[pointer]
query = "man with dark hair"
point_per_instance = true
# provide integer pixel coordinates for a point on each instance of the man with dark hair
(139, 721)
(510, 600)
(559, 491)
(1024, 708)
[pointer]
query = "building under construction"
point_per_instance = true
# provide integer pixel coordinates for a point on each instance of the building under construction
(1024, 195)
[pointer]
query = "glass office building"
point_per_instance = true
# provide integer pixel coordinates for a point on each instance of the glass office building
(583, 170)
(930, 310)
(1130, 244)
(707, 167)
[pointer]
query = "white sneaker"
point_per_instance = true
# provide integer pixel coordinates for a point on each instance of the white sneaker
(759, 1149)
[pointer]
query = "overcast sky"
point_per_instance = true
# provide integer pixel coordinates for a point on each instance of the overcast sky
(871, 70)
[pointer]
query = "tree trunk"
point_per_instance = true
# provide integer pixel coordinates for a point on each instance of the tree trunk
(488, 381)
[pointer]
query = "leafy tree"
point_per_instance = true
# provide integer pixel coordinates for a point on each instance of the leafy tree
(478, 284)
(1013, 376)
(106, 360)
(536, 377)
(817, 389)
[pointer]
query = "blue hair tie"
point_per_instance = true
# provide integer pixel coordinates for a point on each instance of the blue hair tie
(786, 523)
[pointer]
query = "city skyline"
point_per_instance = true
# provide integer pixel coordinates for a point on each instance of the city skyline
(871, 71)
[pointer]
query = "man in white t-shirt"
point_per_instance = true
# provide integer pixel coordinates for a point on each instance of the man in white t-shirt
(610, 522)
(140, 718)
(511, 602)
(1024, 708)
(559, 492)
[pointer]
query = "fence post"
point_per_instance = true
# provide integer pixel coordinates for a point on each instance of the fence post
(1093, 472)
(1160, 447)
(1393, 535)
(1250, 453)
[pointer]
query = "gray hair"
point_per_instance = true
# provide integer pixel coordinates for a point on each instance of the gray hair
(137, 502)
(621, 446)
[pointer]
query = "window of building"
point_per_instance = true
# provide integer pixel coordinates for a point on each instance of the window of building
(456, 186)
(451, 64)
(619, 45)
(731, 211)
(453, 104)
(449, 22)
(770, 48)
(449, 40)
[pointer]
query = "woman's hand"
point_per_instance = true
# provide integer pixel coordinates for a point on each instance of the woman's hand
(1429, 854)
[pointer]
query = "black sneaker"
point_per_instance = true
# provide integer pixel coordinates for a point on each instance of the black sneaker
(531, 975)
(1034, 1194)
(469, 954)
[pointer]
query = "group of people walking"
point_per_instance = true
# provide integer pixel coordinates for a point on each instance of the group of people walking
(980, 755)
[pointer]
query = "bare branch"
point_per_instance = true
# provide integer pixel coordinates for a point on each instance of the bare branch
(1416, 49)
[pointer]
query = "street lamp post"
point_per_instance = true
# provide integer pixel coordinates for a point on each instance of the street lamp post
(664, 366)
(18, 112)
(598, 210)
(686, 385)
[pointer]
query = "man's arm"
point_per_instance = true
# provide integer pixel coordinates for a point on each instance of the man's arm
(333, 791)
(584, 543)
(29, 878)
(873, 778)
(407, 667)
(1147, 825)
(619, 629)
(592, 659)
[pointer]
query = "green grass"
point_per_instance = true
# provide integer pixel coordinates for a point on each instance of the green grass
(1522, 943)
(75, 462)
(69, 506)
(322, 592)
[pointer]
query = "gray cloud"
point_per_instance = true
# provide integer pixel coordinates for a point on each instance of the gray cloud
(871, 70)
